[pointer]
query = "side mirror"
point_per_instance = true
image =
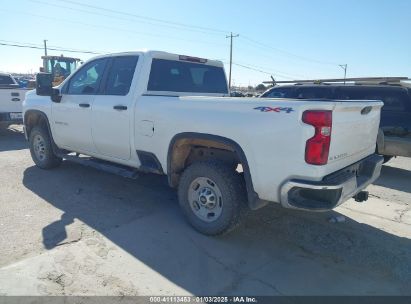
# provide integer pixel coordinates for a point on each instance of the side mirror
(44, 84)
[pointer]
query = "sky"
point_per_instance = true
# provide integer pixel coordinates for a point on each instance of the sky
(292, 39)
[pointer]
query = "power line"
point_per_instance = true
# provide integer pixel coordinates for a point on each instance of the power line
(39, 47)
(145, 18)
(250, 40)
(259, 70)
(27, 43)
(125, 19)
(275, 71)
(190, 27)
(181, 26)
(111, 28)
(267, 66)
(54, 47)
(30, 46)
(51, 47)
(256, 69)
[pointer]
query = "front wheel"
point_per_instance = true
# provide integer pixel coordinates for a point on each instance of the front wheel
(41, 149)
(212, 197)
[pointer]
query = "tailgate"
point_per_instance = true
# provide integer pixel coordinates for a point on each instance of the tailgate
(11, 100)
(354, 131)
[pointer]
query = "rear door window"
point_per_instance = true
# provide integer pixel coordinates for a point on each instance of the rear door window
(121, 75)
(178, 76)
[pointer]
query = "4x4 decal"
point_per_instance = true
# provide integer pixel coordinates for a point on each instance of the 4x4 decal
(277, 110)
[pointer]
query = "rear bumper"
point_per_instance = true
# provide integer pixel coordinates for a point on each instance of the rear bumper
(6, 117)
(334, 189)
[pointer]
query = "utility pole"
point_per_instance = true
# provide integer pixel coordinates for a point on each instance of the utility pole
(45, 47)
(231, 56)
(344, 67)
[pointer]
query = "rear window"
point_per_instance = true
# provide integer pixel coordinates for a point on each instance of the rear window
(280, 93)
(314, 93)
(4, 80)
(178, 76)
(395, 99)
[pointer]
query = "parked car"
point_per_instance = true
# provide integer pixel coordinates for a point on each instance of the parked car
(23, 82)
(169, 114)
(394, 138)
(237, 94)
(11, 98)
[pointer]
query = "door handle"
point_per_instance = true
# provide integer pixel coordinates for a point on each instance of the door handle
(120, 108)
(84, 105)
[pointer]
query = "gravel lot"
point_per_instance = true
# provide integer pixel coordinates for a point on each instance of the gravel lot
(78, 231)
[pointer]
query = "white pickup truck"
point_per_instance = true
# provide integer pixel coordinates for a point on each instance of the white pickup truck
(11, 99)
(169, 114)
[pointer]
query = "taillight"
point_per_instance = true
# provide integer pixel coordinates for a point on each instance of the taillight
(318, 146)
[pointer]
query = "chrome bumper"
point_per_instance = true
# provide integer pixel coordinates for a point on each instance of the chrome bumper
(334, 189)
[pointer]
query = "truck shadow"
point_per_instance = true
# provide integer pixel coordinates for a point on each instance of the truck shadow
(395, 178)
(276, 251)
(12, 139)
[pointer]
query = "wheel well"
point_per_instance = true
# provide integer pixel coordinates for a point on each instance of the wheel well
(34, 118)
(185, 151)
(188, 147)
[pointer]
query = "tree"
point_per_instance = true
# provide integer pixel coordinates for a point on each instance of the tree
(260, 87)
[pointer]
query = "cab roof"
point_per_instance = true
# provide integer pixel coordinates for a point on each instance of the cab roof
(168, 56)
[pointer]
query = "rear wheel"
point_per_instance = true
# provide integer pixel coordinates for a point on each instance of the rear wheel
(41, 149)
(212, 197)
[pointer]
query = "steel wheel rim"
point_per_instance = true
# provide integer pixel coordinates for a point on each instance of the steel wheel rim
(39, 146)
(205, 199)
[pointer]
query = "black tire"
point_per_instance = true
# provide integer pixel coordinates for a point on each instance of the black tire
(232, 188)
(387, 158)
(48, 160)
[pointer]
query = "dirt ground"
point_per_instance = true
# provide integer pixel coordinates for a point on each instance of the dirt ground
(78, 231)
